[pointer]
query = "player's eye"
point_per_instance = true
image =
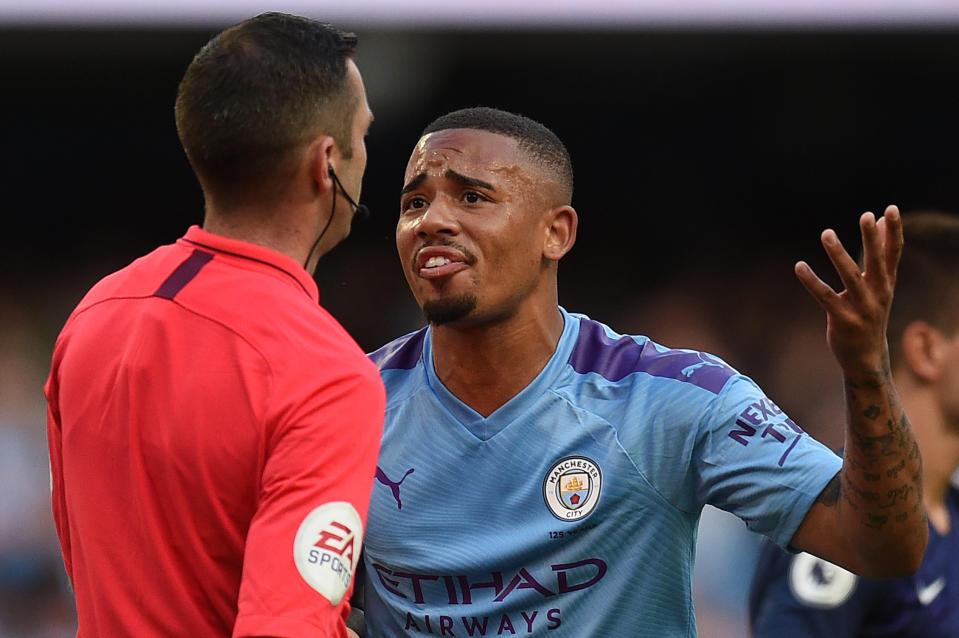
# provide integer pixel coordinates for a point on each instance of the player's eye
(415, 203)
(472, 197)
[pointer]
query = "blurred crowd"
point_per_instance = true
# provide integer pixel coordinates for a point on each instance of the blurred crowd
(35, 601)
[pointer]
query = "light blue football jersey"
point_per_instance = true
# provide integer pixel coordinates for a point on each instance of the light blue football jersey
(572, 510)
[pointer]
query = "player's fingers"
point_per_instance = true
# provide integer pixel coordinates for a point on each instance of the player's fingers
(820, 290)
(893, 240)
(873, 260)
(881, 227)
(845, 266)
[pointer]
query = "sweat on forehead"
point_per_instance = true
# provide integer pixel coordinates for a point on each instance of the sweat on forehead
(472, 153)
(541, 144)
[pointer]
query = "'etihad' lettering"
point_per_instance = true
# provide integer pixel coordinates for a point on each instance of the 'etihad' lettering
(459, 590)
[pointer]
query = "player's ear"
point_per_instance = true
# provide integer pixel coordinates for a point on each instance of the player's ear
(560, 232)
(923, 348)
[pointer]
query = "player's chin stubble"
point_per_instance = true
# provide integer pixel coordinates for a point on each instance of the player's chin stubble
(449, 310)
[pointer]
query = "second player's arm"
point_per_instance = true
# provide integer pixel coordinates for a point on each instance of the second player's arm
(870, 518)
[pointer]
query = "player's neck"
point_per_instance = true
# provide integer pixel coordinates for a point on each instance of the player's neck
(939, 446)
(938, 466)
(486, 366)
(940, 456)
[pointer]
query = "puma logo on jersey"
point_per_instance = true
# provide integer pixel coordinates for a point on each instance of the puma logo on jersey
(393, 485)
(704, 360)
(928, 593)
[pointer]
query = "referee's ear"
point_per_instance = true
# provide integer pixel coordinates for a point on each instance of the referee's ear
(317, 164)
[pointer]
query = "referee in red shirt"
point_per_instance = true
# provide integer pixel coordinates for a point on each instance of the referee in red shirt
(213, 430)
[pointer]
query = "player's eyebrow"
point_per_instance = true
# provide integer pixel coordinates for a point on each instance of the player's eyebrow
(416, 181)
(468, 181)
(449, 174)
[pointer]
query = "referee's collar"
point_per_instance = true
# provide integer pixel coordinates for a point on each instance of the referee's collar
(202, 239)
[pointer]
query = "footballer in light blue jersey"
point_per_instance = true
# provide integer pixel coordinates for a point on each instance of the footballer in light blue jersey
(540, 474)
(572, 510)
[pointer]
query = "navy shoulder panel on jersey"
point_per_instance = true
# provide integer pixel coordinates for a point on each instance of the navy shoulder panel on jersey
(401, 353)
(614, 359)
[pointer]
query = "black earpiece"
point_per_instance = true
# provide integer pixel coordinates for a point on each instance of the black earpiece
(358, 209)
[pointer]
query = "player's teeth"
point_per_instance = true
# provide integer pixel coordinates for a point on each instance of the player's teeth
(433, 262)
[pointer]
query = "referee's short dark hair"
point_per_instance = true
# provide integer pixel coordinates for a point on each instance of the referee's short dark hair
(258, 91)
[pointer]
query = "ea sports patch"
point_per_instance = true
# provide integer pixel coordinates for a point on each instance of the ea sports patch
(818, 583)
(572, 488)
(326, 548)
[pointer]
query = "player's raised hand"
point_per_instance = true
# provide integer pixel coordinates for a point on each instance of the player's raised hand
(856, 318)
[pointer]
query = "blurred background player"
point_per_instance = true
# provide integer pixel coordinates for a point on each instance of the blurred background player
(799, 595)
(543, 474)
(213, 431)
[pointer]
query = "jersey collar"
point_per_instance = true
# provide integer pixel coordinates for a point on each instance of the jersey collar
(485, 428)
(200, 238)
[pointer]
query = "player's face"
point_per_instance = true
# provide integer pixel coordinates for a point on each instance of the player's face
(470, 232)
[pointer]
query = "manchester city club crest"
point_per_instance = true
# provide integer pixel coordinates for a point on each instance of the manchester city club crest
(572, 488)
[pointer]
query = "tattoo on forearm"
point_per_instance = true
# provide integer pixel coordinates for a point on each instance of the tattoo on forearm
(901, 492)
(876, 521)
(893, 472)
(868, 444)
(830, 494)
(865, 495)
(873, 380)
(881, 479)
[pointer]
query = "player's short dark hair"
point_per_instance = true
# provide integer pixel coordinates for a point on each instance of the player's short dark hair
(542, 144)
(256, 92)
(927, 286)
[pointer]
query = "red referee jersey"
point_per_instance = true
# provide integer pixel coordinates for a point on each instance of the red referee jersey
(213, 439)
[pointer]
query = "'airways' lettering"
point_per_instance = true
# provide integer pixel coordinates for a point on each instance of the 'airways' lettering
(481, 625)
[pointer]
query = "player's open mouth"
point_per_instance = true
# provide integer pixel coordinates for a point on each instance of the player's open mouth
(439, 261)
(434, 262)
(440, 267)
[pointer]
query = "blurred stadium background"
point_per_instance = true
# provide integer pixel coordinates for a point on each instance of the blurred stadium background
(712, 142)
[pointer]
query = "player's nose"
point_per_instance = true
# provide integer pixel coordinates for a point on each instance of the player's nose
(439, 218)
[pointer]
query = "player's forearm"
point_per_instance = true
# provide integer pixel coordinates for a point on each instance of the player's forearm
(880, 503)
